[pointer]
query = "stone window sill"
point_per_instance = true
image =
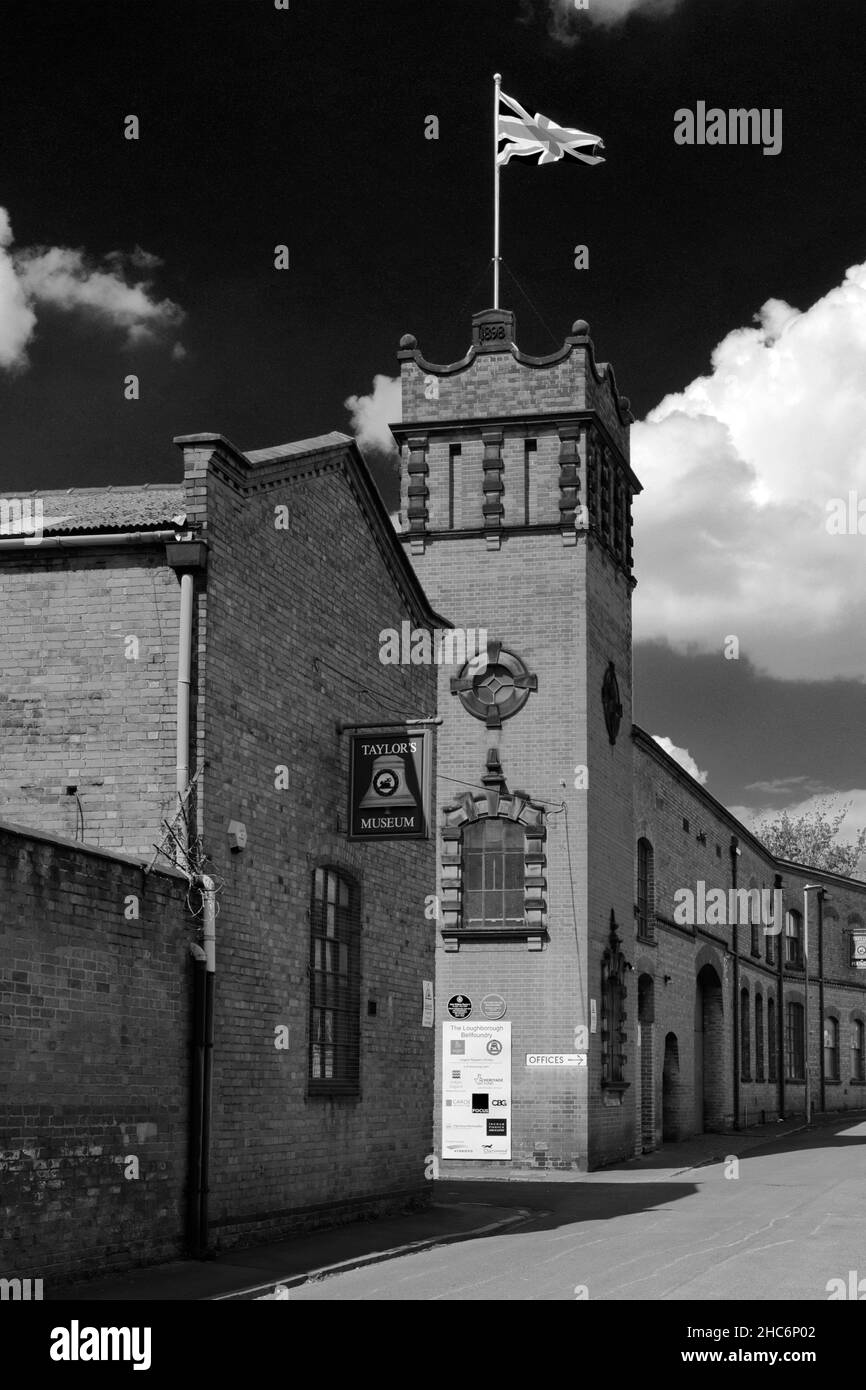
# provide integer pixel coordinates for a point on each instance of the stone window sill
(533, 936)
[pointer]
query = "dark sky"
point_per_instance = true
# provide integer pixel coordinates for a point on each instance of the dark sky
(260, 127)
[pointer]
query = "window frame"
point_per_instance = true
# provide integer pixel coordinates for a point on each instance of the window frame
(345, 1015)
(745, 1036)
(858, 1050)
(645, 904)
(794, 958)
(759, 1037)
(795, 1041)
(831, 1055)
(489, 856)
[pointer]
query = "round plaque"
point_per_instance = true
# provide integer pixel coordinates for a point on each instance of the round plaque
(493, 1006)
(459, 1006)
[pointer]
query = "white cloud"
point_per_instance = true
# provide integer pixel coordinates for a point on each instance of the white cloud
(17, 319)
(564, 15)
(738, 471)
(66, 279)
(681, 756)
(371, 415)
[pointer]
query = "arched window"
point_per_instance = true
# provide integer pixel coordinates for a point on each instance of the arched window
(493, 873)
(793, 939)
(493, 881)
(772, 1041)
(857, 1056)
(335, 983)
(745, 1060)
(759, 1038)
(795, 1058)
(831, 1049)
(645, 890)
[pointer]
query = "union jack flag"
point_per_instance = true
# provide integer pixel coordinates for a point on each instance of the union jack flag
(537, 134)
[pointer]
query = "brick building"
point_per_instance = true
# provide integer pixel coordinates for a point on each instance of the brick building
(565, 833)
(194, 955)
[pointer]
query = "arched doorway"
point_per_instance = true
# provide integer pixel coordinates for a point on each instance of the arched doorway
(709, 1052)
(671, 1090)
(646, 1019)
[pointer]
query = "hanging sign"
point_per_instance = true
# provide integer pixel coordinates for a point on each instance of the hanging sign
(389, 785)
(858, 950)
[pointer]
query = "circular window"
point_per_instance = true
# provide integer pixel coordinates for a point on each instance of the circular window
(497, 691)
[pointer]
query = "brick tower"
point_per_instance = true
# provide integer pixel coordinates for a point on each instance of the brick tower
(516, 510)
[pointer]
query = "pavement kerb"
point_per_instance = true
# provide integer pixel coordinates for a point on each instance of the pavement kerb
(764, 1141)
(412, 1247)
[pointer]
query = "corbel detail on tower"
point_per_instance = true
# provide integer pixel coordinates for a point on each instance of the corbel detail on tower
(418, 492)
(569, 481)
(493, 487)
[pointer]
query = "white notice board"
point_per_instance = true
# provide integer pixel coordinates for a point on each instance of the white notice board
(476, 1089)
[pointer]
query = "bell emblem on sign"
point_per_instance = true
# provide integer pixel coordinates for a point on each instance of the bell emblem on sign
(388, 784)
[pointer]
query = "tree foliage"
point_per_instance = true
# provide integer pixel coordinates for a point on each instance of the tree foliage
(810, 839)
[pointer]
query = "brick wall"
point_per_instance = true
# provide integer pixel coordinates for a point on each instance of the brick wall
(665, 799)
(95, 1030)
(75, 708)
(285, 656)
(565, 611)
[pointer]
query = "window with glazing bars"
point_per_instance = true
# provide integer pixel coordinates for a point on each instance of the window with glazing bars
(831, 1049)
(645, 890)
(759, 1038)
(793, 939)
(795, 1058)
(493, 874)
(335, 983)
(745, 1059)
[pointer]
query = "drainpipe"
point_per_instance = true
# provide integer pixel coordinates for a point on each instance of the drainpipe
(820, 896)
(735, 943)
(202, 1076)
(780, 1004)
(184, 656)
(194, 1233)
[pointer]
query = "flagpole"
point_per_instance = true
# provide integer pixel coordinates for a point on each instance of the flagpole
(497, 79)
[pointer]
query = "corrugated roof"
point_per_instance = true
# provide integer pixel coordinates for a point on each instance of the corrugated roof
(85, 509)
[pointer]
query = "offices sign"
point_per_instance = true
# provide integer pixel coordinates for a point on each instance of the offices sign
(389, 785)
(476, 1089)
